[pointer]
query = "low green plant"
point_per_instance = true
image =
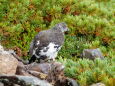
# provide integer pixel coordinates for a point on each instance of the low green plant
(86, 72)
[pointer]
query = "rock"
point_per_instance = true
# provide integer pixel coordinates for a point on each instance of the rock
(38, 74)
(8, 63)
(92, 54)
(34, 81)
(98, 84)
(66, 82)
(30, 70)
(40, 67)
(72, 82)
(45, 67)
(21, 70)
(56, 72)
(22, 81)
(53, 69)
(16, 85)
(1, 84)
(47, 71)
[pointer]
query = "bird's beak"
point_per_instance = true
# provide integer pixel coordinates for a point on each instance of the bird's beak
(66, 32)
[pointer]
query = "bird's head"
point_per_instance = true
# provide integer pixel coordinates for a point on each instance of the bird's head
(62, 26)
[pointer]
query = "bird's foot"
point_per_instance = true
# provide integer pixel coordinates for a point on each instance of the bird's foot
(50, 60)
(46, 60)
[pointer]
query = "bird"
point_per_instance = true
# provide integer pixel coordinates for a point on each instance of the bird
(47, 43)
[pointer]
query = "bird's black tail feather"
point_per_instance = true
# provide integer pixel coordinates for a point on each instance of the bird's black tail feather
(32, 59)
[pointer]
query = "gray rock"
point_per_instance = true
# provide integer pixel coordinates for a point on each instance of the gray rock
(46, 67)
(48, 71)
(66, 82)
(1, 84)
(22, 81)
(8, 63)
(98, 84)
(53, 70)
(22, 70)
(92, 54)
(72, 82)
(34, 81)
(16, 85)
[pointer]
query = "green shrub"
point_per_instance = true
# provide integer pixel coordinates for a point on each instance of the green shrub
(87, 71)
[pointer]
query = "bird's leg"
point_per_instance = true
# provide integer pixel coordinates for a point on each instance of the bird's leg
(41, 61)
(38, 60)
(46, 60)
(51, 60)
(32, 59)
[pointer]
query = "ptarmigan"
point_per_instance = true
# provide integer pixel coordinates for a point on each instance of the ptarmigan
(47, 43)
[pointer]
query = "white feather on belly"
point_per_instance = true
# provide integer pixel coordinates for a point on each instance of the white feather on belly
(51, 53)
